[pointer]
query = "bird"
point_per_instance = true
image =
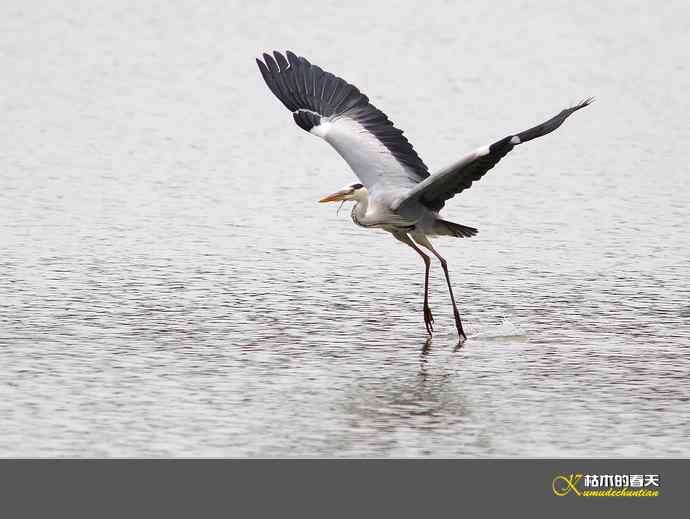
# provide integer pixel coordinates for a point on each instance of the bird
(396, 192)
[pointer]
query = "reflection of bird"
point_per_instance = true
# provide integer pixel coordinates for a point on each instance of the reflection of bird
(396, 192)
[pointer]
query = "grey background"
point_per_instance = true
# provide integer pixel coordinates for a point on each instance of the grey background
(170, 287)
(318, 488)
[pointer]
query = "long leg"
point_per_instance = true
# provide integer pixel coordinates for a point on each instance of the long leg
(428, 318)
(424, 242)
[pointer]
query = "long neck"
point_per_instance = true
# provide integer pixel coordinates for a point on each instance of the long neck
(359, 210)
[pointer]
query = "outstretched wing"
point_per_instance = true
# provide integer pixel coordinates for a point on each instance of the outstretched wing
(448, 182)
(331, 108)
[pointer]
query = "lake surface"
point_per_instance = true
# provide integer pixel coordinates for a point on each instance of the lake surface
(170, 287)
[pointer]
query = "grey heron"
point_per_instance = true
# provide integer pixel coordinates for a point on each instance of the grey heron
(395, 191)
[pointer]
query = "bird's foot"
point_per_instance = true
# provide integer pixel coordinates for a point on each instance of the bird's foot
(428, 320)
(458, 325)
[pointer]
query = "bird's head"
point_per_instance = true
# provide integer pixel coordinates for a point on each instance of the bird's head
(350, 192)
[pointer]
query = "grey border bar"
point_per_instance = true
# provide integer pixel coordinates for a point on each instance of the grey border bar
(323, 488)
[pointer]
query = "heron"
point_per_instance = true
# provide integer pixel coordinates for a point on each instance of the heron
(396, 192)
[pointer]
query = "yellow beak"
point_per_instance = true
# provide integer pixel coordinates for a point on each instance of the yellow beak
(336, 197)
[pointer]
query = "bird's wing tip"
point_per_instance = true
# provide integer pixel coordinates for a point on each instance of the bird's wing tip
(269, 53)
(283, 59)
(262, 66)
(584, 102)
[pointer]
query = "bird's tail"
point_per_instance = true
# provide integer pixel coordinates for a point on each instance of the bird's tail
(445, 228)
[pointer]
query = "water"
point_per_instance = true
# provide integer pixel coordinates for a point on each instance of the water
(170, 287)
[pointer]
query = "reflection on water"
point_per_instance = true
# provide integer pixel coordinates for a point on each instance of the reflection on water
(168, 285)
